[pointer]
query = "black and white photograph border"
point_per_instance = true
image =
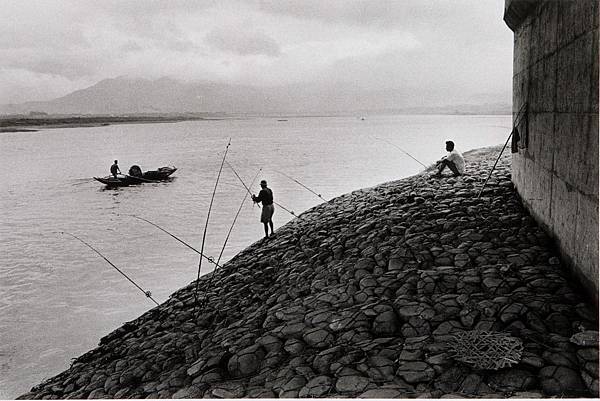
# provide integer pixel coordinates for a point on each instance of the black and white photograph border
(299, 199)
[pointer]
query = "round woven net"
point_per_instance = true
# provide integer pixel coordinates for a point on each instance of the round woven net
(485, 349)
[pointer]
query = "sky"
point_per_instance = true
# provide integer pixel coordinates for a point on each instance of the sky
(51, 48)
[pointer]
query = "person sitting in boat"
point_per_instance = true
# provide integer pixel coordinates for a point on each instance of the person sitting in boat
(114, 169)
(454, 161)
(266, 197)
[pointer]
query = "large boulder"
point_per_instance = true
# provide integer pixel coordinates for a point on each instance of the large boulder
(560, 380)
(246, 361)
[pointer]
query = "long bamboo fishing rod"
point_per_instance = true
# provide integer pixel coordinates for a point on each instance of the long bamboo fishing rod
(402, 150)
(242, 181)
(208, 258)
(494, 166)
(419, 176)
(301, 184)
(148, 294)
(248, 189)
(227, 238)
(515, 123)
(287, 210)
(206, 225)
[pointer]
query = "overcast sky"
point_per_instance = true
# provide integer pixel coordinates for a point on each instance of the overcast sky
(50, 48)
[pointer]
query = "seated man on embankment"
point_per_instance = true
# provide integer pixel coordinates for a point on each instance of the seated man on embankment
(453, 160)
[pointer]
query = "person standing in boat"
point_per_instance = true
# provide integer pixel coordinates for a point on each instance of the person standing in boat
(114, 169)
(266, 197)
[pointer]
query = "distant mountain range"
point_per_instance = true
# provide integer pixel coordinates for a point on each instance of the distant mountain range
(119, 96)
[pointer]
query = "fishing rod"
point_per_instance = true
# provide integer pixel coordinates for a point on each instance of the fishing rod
(301, 184)
(208, 258)
(206, 225)
(404, 151)
(248, 189)
(287, 210)
(515, 123)
(148, 294)
(227, 238)
(242, 181)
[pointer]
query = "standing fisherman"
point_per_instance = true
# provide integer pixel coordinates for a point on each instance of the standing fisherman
(266, 197)
(115, 168)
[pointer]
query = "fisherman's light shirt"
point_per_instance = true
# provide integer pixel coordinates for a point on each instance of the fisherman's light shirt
(459, 161)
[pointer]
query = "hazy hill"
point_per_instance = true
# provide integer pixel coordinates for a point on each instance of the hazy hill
(126, 95)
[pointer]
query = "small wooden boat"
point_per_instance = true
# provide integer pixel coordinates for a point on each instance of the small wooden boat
(136, 176)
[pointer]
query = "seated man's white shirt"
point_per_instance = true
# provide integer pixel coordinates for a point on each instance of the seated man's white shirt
(457, 159)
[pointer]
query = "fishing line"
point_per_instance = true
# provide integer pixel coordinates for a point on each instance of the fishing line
(206, 225)
(301, 184)
(404, 151)
(208, 258)
(227, 239)
(148, 294)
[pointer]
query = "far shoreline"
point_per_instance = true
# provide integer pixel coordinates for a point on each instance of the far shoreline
(29, 124)
(9, 124)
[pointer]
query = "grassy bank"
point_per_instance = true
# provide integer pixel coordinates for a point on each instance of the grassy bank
(29, 124)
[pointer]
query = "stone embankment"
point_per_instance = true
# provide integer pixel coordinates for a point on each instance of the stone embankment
(366, 296)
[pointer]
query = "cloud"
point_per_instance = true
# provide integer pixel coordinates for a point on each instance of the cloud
(148, 8)
(234, 40)
(461, 44)
(21, 85)
(130, 46)
(67, 63)
(380, 14)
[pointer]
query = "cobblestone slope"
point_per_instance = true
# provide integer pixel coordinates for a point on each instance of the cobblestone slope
(361, 297)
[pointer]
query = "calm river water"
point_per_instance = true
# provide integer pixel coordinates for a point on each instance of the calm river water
(58, 298)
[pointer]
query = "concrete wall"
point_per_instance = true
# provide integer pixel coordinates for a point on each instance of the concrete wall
(555, 71)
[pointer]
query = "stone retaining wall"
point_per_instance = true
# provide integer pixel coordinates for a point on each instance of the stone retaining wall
(555, 76)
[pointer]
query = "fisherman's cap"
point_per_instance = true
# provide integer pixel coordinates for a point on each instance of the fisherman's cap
(263, 182)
